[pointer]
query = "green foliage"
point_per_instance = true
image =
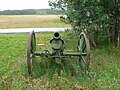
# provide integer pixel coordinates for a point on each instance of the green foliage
(98, 17)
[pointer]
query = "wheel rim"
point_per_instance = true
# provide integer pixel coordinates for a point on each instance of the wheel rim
(84, 47)
(30, 50)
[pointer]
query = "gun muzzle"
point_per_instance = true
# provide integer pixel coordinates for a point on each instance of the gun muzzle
(56, 41)
(56, 35)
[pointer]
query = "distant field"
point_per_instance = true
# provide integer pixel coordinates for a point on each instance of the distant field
(30, 21)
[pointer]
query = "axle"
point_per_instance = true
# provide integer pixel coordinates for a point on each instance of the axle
(64, 54)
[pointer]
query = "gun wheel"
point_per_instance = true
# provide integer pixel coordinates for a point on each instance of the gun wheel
(84, 48)
(31, 50)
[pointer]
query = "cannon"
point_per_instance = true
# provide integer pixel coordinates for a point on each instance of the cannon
(57, 52)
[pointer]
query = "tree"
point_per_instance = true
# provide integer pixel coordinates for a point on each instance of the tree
(112, 9)
(97, 16)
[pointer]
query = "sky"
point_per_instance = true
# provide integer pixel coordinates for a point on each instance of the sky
(23, 4)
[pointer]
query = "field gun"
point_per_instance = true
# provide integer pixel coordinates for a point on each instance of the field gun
(58, 53)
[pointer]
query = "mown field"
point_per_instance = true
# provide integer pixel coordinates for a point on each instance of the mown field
(30, 21)
(104, 71)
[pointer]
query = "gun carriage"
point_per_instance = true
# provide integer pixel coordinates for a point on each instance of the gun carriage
(57, 45)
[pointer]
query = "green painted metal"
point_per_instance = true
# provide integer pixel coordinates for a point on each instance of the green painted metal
(57, 45)
(57, 42)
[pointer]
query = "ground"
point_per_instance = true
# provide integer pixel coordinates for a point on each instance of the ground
(104, 71)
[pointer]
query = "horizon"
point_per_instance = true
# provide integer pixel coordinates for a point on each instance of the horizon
(27, 9)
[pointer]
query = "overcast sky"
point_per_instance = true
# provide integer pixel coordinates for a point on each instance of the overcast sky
(23, 4)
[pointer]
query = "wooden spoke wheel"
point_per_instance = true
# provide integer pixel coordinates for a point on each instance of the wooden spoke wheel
(84, 48)
(30, 50)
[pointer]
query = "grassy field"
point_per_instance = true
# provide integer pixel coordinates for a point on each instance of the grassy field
(104, 71)
(30, 21)
(104, 68)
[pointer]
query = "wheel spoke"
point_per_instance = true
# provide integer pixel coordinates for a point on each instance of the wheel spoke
(83, 60)
(83, 50)
(81, 42)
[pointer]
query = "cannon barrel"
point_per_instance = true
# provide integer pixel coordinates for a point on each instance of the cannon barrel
(56, 41)
(56, 35)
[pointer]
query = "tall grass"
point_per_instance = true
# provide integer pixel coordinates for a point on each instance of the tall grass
(104, 71)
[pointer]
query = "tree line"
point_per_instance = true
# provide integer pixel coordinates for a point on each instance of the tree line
(101, 18)
(32, 12)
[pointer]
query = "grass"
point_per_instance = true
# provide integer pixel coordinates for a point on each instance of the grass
(30, 21)
(104, 69)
